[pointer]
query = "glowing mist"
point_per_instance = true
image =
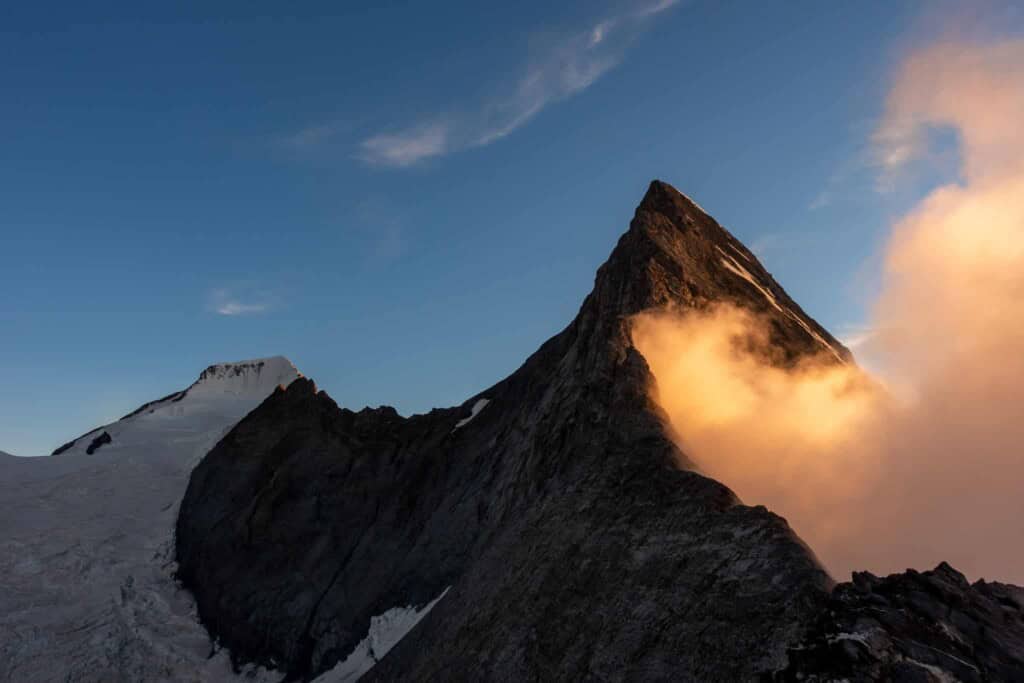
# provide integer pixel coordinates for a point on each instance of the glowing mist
(929, 464)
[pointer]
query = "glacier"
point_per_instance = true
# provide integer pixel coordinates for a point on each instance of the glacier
(87, 588)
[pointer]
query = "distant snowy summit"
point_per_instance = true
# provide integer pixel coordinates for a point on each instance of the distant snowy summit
(87, 591)
(257, 377)
(224, 391)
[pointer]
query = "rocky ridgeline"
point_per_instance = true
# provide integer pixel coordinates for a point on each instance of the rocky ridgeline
(549, 511)
(930, 627)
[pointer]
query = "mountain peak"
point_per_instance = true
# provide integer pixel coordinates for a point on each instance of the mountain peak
(225, 388)
(662, 196)
(676, 256)
(257, 376)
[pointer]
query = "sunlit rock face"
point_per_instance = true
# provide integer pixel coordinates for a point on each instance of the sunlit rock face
(552, 523)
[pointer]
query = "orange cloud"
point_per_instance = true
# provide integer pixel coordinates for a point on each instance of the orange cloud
(928, 464)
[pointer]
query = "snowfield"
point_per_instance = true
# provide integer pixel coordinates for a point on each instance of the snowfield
(385, 632)
(86, 542)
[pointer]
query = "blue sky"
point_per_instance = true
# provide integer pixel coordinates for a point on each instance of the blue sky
(405, 199)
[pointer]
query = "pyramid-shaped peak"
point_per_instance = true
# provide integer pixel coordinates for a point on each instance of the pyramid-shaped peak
(661, 196)
(676, 256)
(687, 217)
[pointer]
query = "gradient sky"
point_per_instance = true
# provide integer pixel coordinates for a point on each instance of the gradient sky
(404, 199)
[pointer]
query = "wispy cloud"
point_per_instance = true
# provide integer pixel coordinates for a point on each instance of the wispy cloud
(856, 172)
(238, 308)
(223, 301)
(572, 63)
(891, 155)
(407, 147)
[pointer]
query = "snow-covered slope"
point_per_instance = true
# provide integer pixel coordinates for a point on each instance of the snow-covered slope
(223, 394)
(86, 587)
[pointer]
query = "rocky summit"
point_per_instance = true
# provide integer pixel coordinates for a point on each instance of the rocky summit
(543, 530)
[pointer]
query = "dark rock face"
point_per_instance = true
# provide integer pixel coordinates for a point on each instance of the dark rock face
(64, 447)
(572, 545)
(100, 441)
(928, 627)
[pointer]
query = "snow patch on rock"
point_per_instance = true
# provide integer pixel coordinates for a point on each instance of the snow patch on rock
(938, 674)
(855, 637)
(474, 411)
(690, 199)
(385, 631)
(733, 266)
(742, 255)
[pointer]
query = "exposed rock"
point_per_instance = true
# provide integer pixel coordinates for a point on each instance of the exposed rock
(929, 627)
(103, 438)
(153, 405)
(65, 447)
(94, 445)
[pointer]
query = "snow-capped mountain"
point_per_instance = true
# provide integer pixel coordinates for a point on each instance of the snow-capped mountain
(221, 396)
(548, 528)
(86, 540)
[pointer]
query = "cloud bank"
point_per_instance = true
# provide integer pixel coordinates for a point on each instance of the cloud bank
(572, 64)
(926, 464)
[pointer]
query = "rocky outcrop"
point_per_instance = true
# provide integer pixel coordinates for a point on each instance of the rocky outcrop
(931, 627)
(97, 443)
(550, 510)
